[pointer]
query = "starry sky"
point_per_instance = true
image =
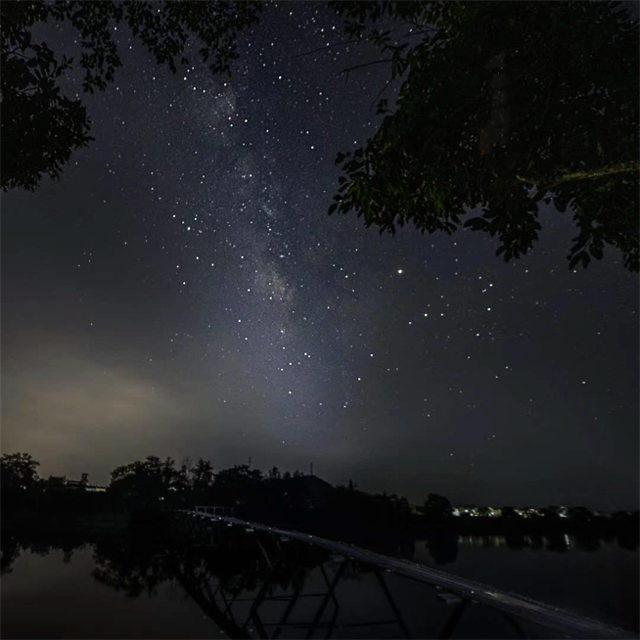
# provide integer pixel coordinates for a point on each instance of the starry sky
(182, 291)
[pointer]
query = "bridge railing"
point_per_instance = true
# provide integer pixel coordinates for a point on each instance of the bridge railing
(213, 510)
(519, 611)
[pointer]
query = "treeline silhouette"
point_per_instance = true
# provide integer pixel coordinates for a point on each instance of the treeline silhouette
(146, 487)
(144, 490)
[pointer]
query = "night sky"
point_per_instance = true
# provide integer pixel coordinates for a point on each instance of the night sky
(182, 291)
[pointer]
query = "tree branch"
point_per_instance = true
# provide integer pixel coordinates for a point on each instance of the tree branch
(381, 92)
(327, 46)
(422, 28)
(366, 64)
(13, 52)
(593, 174)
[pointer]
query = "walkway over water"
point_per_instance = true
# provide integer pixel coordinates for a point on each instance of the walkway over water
(453, 590)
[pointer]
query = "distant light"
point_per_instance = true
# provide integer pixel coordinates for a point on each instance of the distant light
(400, 271)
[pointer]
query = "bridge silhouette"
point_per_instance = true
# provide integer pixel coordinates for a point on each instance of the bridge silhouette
(239, 609)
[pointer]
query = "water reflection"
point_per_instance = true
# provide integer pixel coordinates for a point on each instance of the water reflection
(443, 545)
(252, 585)
(10, 553)
(231, 578)
(13, 546)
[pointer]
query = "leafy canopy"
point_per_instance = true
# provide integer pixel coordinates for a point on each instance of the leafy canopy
(40, 126)
(18, 471)
(501, 106)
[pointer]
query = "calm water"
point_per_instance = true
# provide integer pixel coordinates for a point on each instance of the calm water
(46, 597)
(600, 584)
(117, 589)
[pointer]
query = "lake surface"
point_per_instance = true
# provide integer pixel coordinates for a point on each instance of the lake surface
(112, 588)
(46, 597)
(600, 584)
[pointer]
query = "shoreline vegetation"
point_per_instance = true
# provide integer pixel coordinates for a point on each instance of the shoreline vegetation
(142, 494)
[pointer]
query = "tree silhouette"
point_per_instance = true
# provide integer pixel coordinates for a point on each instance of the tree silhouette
(499, 121)
(580, 514)
(131, 565)
(437, 506)
(18, 472)
(11, 550)
(510, 513)
(144, 482)
(501, 106)
(550, 514)
(240, 483)
(274, 474)
(41, 127)
(202, 476)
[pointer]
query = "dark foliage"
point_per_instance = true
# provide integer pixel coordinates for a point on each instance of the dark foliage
(145, 491)
(40, 126)
(488, 113)
(437, 506)
(502, 112)
(19, 472)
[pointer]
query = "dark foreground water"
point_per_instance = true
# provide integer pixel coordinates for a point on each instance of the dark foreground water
(599, 583)
(116, 587)
(46, 597)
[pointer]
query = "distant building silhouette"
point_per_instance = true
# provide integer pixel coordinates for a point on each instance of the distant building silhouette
(62, 483)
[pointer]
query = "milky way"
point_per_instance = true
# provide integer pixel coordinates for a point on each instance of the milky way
(181, 291)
